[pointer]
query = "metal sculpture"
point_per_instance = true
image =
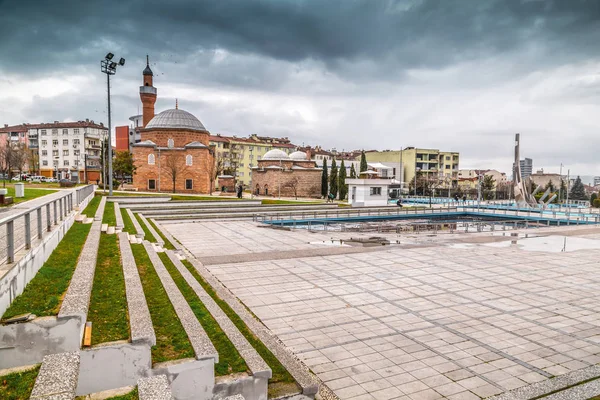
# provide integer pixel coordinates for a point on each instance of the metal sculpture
(523, 198)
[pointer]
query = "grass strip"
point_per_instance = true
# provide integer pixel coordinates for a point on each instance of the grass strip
(108, 304)
(133, 395)
(230, 361)
(127, 223)
(147, 235)
(172, 342)
(109, 216)
(280, 374)
(92, 207)
(43, 295)
(18, 385)
(30, 194)
(168, 245)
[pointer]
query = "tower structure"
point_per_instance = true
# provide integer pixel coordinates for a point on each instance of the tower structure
(147, 94)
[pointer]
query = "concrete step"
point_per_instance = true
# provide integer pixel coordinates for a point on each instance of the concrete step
(58, 377)
(104, 227)
(80, 218)
(154, 388)
(110, 230)
(88, 220)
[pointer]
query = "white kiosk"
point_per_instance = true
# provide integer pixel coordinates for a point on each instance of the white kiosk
(371, 188)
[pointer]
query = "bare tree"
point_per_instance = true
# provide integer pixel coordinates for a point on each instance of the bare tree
(20, 157)
(174, 166)
(293, 185)
(215, 169)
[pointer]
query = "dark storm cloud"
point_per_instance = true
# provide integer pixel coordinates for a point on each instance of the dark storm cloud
(52, 35)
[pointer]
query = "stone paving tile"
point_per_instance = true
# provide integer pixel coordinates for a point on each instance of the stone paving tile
(470, 322)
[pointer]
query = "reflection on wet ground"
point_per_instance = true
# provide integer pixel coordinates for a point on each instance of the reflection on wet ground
(551, 244)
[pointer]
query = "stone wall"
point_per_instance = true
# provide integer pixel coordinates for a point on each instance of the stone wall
(307, 182)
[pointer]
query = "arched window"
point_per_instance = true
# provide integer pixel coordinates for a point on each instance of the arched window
(170, 143)
(151, 159)
(188, 160)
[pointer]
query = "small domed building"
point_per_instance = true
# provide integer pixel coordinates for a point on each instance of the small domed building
(173, 154)
(278, 174)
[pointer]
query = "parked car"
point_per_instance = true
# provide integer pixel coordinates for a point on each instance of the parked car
(35, 179)
(16, 179)
(50, 180)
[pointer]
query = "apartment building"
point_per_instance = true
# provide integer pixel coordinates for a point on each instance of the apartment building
(236, 156)
(69, 150)
(407, 162)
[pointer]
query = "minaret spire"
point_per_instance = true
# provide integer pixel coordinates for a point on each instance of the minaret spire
(176, 105)
(147, 61)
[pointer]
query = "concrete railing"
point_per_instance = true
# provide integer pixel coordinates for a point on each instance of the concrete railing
(18, 230)
(82, 193)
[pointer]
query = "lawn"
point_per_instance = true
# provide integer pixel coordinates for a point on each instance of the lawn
(127, 223)
(133, 395)
(282, 382)
(108, 303)
(109, 216)
(147, 235)
(230, 360)
(280, 374)
(168, 245)
(92, 207)
(172, 342)
(177, 196)
(18, 385)
(43, 295)
(30, 193)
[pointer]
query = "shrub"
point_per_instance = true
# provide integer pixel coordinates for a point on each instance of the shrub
(596, 203)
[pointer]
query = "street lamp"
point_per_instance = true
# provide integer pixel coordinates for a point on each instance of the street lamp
(109, 67)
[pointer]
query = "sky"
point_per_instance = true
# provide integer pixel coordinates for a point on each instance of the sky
(460, 75)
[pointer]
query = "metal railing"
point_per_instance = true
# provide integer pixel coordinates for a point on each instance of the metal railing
(17, 231)
(350, 212)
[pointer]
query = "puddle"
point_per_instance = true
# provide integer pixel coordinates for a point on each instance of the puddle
(551, 244)
(515, 234)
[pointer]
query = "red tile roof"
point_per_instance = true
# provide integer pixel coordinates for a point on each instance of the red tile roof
(51, 125)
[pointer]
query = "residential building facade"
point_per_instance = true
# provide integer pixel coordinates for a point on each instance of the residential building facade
(64, 150)
(526, 167)
(442, 165)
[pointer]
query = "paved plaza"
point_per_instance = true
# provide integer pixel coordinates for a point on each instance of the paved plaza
(442, 321)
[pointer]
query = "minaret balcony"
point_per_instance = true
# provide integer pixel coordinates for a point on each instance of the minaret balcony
(148, 89)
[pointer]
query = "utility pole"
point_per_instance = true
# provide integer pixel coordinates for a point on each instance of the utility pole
(568, 184)
(560, 185)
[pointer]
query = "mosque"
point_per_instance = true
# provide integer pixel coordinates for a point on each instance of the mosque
(174, 154)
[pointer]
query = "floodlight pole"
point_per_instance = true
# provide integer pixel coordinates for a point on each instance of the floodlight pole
(110, 174)
(110, 68)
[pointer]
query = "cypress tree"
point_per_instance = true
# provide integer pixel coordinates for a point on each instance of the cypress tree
(324, 188)
(352, 172)
(363, 162)
(333, 179)
(342, 181)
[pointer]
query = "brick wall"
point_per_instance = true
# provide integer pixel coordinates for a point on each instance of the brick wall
(199, 171)
(180, 137)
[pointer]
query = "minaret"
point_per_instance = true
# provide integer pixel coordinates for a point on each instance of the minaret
(147, 95)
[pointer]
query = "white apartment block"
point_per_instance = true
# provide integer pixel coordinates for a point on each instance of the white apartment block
(69, 150)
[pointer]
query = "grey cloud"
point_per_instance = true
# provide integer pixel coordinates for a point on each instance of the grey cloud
(408, 34)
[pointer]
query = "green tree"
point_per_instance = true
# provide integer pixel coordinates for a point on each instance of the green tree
(342, 181)
(593, 197)
(363, 162)
(324, 188)
(550, 186)
(487, 186)
(333, 179)
(123, 165)
(578, 191)
(352, 172)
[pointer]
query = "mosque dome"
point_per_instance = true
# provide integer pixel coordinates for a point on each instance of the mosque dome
(275, 154)
(176, 119)
(298, 156)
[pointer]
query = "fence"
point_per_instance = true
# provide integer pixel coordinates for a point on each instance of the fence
(17, 231)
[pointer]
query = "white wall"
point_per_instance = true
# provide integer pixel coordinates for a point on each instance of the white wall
(359, 192)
